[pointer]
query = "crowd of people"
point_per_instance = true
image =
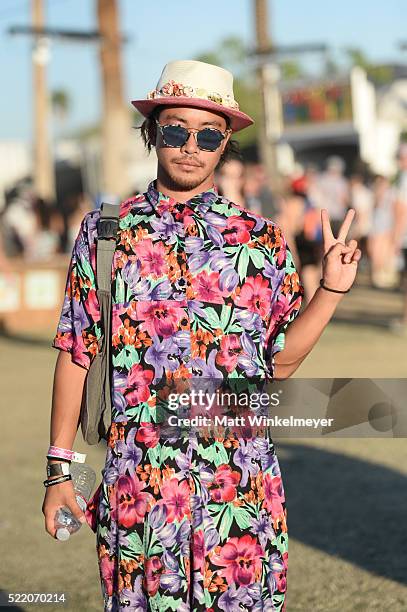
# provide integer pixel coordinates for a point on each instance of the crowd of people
(37, 231)
(380, 224)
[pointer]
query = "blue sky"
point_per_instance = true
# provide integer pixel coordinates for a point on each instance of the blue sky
(161, 31)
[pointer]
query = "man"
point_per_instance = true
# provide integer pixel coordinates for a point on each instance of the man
(201, 288)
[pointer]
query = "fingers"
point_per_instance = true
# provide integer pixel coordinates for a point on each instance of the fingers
(344, 229)
(54, 501)
(50, 524)
(352, 244)
(77, 511)
(339, 249)
(327, 234)
(356, 256)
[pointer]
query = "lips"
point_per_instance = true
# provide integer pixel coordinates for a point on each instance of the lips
(187, 165)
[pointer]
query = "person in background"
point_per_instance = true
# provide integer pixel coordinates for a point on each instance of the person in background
(380, 244)
(308, 239)
(334, 191)
(363, 202)
(314, 193)
(257, 191)
(47, 237)
(19, 223)
(230, 180)
(5, 266)
(400, 231)
(291, 220)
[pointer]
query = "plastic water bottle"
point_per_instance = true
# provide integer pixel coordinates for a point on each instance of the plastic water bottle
(83, 478)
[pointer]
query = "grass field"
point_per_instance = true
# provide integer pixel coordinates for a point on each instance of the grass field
(347, 498)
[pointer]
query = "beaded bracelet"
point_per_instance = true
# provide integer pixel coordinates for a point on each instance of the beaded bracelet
(54, 481)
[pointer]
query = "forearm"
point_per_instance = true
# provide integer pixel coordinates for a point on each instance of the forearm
(302, 335)
(400, 224)
(66, 401)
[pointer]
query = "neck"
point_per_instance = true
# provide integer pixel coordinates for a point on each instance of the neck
(168, 187)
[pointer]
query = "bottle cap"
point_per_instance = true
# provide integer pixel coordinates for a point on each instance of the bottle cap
(62, 534)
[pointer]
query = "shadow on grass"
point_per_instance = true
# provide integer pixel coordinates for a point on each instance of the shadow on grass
(347, 507)
(360, 318)
(26, 339)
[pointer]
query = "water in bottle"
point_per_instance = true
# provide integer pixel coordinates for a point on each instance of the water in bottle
(83, 478)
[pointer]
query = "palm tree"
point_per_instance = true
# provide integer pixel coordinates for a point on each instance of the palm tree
(116, 120)
(60, 102)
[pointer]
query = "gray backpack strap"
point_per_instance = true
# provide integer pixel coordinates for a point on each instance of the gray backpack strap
(107, 227)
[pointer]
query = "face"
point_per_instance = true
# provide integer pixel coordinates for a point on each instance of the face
(403, 160)
(188, 167)
(233, 171)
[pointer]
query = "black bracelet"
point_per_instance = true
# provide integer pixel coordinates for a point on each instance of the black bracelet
(321, 284)
(58, 459)
(54, 481)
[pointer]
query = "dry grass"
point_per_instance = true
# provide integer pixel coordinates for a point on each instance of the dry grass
(346, 497)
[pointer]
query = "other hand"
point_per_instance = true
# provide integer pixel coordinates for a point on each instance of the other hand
(340, 261)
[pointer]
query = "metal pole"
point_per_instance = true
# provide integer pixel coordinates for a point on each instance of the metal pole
(116, 117)
(270, 122)
(44, 177)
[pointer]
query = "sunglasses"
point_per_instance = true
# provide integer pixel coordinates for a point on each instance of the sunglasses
(208, 139)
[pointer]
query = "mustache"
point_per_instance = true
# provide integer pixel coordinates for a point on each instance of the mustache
(186, 161)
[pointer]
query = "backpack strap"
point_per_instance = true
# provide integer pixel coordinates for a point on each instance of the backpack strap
(107, 227)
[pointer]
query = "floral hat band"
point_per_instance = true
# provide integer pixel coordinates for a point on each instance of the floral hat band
(197, 84)
(178, 89)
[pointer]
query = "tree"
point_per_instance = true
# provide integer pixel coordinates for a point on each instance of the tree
(379, 74)
(60, 102)
(231, 53)
(116, 114)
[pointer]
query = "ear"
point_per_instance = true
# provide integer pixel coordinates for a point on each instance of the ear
(226, 139)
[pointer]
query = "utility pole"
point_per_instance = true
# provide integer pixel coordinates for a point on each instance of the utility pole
(270, 123)
(116, 124)
(44, 177)
(267, 55)
(116, 118)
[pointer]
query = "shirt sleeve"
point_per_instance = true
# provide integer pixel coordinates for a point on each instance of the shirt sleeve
(287, 295)
(79, 326)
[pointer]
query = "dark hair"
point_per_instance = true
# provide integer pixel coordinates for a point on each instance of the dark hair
(148, 131)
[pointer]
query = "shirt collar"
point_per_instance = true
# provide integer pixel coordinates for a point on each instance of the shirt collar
(161, 202)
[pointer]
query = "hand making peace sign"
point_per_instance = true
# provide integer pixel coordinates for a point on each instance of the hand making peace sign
(340, 261)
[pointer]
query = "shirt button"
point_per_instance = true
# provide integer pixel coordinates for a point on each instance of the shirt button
(187, 358)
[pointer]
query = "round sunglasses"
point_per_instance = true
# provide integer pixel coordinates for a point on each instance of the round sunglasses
(207, 139)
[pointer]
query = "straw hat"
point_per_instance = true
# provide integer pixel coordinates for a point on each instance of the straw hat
(192, 83)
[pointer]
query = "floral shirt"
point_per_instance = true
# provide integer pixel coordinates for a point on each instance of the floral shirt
(203, 288)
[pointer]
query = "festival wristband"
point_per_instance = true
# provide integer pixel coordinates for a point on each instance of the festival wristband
(54, 452)
(50, 483)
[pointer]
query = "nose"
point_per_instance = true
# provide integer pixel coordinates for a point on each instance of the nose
(191, 145)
